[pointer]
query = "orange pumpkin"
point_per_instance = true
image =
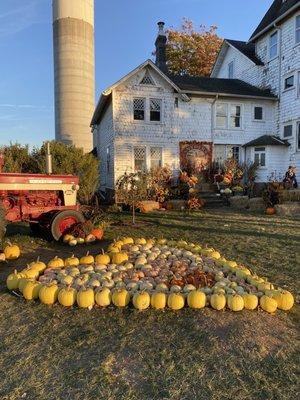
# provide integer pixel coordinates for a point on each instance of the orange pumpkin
(98, 233)
(270, 211)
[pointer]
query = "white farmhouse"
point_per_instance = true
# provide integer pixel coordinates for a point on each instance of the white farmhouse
(248, 109)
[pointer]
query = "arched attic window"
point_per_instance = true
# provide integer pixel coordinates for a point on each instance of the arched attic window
(147, 79)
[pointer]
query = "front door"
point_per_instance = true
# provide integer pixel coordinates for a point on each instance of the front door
(195, 157)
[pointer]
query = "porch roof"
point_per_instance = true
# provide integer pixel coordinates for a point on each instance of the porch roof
(267, 140)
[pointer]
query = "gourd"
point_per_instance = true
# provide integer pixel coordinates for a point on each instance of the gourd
(90, 238)
(56, 262)
(196, 299)
(48, 294)
(71, 261)
(38, 265)
(67, 238)
(68, 280)
(21, 284)
(128, 240)
(140, 241)
(270, 211)
(235, 302)
(12, 280)
(102, 259)
(158, 300)
(31, 290)
(12, 251)
(250, 301)
(85, 298)
(218, 301)
(176, 301)
(98, 233)
(261, 287)
(103, 297)
(120, 298)
(216, 255)
(30, 273)
(119, 258)
(268, 304)
(141, 300)
(87, 259)
(284, 299)
(67, 296)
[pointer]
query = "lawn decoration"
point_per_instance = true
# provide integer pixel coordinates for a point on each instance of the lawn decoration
(83, 233)
(150, 273)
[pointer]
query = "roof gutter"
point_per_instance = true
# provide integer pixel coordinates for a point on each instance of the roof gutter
(270, 26)
(275, 98)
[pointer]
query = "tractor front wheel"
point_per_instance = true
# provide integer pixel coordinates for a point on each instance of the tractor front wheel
(63, 221)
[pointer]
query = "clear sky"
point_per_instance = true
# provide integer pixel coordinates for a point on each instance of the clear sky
(125, 32)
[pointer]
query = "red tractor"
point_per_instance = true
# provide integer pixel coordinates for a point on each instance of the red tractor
(47, 202)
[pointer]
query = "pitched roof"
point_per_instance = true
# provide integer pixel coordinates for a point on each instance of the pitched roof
(192, 84)
(248, 49)
(267, 140)
(278, 10)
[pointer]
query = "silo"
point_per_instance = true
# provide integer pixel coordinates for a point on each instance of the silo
(74, 71)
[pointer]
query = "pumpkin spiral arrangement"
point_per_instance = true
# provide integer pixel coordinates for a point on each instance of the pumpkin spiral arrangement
(150, 273)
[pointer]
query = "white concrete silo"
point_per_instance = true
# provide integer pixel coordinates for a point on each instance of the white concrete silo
(74, 71)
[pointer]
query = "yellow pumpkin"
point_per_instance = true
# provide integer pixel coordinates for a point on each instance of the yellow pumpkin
(12, 251)
(216, 255)
(162, 241)
(48, 294)
(88, 259)
(113, 248)
(21, 284)
(196, 299)
(158, 300)
(128, 240)
(31, 290)
(140, 241)
(262, 287)
(120, 298)
(30, 273)
(250, 301)
(119, 258)
(71, 261)
(218, 301)
(56, 262)
(67, 296)
(235, 302)
(38, 265)
(268, 304)
(85, 298)
(102, 259)
(231, 265)
(12, 280)
(141, 301)
(67, 238)
(284, 299)
(176, 301)
(68, 280)
(103, 297)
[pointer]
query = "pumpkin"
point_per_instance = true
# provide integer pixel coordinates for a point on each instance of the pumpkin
(30, 273)
(250, 301)
(284, 299)
(80, 240)
(12, 251)
(262, 287)
(73, 242)
(141, 300)
(98, 233)
(162, 287)
(12, 280)
(103, 297)
(90, 238)
(67, 296)
(196, 299)
(68, 280)
(119, 258)
(140, 241)
(67, 238)
(48, 294)
(235, 302)
(270, 211)
(38, 265)
(56, 262)
(218, 301)
(158, 300)
(102, 259)
(128, 240)
(120, 298)
(176, 301)
(268, 304)
(31, 290)
(85, 298)
(2, 256)
(87, 259)
(21, 283)
(216, 255)
(71, 261)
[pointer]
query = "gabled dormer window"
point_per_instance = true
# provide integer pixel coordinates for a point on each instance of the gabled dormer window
(273, 50)
(147, 79)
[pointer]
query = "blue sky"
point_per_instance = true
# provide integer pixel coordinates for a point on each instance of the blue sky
(125, 31)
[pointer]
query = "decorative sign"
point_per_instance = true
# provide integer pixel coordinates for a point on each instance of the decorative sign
(195, 156)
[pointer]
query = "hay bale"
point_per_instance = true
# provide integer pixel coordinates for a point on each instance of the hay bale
(288, 209)
(148, 206)
(239, 202)
(290, 195)
(176, 205)
(256, 204)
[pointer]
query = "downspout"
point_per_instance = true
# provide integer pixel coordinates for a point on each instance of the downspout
(279, 73)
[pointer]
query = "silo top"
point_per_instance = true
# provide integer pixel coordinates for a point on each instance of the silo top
(79, 9)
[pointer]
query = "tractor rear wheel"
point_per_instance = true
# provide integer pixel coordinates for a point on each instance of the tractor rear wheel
(63, 221)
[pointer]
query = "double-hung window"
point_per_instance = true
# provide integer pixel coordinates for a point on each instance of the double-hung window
(287, 131)
(221, 115)
(258, 113)
(297, 32)
(273, 45)
(139, 106)
(260, 156)
(155, 110)
(140, 159)
(235, 116)
(155, 157)
(289, 82)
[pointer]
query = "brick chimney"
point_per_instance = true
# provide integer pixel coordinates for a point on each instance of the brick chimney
(161, 44)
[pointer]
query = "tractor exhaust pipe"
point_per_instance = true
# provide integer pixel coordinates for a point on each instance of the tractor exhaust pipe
(48, 160)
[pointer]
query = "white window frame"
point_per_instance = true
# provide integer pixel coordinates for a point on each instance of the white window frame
(228, 116)
(292, 134)
(133, 157)
(263, 113)
(272, 57)
(285, 89)
(298, 136)
(146, 119)
(108, 160)
(297, 29)
(150, 158)
(148, 155)
(298, 83)
(149, 111)
(231, 70)
(259, 153)
(145, 109)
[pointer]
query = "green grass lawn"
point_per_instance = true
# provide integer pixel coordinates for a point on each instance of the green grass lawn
(56, 353)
